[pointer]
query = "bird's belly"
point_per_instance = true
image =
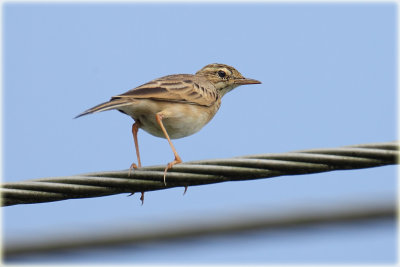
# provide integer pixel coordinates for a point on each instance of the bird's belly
(176, 127)
(179, 119)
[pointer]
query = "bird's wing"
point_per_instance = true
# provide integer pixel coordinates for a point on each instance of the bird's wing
(183, 88)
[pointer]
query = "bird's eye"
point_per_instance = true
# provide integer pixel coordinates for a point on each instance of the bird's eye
(221, 73)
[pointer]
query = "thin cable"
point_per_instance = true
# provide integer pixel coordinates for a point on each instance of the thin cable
(199, 173)
(181, 230)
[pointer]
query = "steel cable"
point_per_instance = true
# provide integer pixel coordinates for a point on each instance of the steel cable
(199, 173)
(238, 222)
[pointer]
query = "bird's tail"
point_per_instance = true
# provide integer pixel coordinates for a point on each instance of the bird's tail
(114, 103)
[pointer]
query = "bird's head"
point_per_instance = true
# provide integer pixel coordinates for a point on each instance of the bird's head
(224, 77)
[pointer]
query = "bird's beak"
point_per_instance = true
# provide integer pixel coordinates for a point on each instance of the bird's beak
(246, 81)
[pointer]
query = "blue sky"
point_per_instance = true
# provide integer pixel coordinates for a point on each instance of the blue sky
(328, 75)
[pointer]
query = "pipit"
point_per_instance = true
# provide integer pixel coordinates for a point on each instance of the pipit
(175, 106)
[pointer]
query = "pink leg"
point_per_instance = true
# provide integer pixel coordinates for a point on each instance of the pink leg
(135, 129)
(177, 159)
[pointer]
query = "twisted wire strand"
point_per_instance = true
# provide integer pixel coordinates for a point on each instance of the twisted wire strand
(201, 172)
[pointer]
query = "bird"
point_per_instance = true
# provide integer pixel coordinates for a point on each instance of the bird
(175, 106)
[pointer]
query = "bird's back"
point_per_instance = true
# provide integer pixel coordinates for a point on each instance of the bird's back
(183, 88)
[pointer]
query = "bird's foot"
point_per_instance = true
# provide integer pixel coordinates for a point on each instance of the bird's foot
(133, 166)
(169, 166)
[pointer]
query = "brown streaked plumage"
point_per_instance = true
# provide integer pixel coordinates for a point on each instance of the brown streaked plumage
(175, 106)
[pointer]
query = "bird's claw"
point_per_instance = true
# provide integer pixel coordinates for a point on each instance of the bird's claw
(142, 198)
(133, 166)
(169, 166)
